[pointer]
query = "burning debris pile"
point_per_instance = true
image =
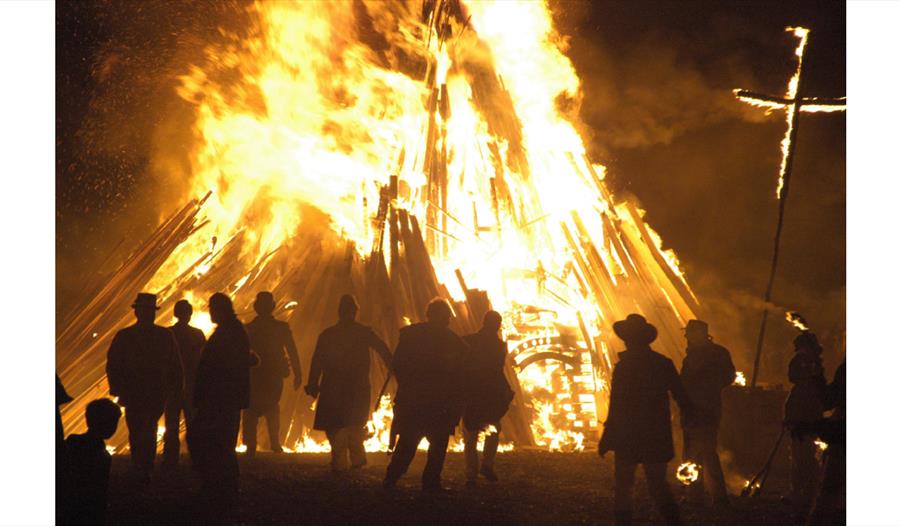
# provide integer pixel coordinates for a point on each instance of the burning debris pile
(400, 152)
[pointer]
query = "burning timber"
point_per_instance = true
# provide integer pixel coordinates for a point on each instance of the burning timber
(458, 177)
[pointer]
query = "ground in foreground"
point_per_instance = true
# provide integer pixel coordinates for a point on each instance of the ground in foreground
(535, 487)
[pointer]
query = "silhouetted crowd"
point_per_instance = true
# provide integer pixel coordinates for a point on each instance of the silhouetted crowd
(220, 387)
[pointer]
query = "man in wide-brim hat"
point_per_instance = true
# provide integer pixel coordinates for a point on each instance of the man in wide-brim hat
(639, 428)
(144, 370)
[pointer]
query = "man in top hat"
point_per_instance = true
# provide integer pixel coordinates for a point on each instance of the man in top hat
(339, 377)
(639, 427)
(190, 344)
(706, 370)
(428, 367)
(804, 406)
(144, 370)
(270, 339)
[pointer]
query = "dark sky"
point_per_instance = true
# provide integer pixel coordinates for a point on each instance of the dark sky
(658, 109)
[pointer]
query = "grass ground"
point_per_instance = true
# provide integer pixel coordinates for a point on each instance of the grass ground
(535, 487)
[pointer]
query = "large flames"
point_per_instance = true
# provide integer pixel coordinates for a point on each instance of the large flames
(471, 106)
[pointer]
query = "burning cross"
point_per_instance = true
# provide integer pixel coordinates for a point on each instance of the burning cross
(793, 104)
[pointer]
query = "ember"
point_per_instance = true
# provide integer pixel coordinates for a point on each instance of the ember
(688, 473)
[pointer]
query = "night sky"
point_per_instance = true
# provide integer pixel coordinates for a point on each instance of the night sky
(658, 112)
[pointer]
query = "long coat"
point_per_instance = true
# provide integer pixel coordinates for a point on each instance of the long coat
(271, 340)
(706, 370)
(190, 345)
(223, 375)
(143, 367)
(428, 367)
(487, 393)
(639, 427)
(342, 361)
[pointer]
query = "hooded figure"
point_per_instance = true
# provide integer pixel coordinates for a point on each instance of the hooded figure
(638, 428)
(272, 341)
(144, 370)
(221, 391)
(339, 377)
(428, 367)
(487, 396)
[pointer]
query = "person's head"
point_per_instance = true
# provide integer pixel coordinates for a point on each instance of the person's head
(807, 341)
(220, 308)
(635, 331)
(696, 332)
(439, 312)
(102, 417)
(183, 311)
(264, 304)
(347, 308)
(491, 322)
(145, 307)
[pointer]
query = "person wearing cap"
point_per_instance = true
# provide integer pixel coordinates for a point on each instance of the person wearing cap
(638, 428)
(339, 377)
(272, 341)
(487, 396)
(144, 371)
(706, 370)
(428, 367)
(804, 406)
(221, 391)
(190, 344)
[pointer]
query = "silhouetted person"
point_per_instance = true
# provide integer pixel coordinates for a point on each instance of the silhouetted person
(487, 396)
(86, 479)
(144, 371)
(62, 397)
(639, 427)
(428, 367)
(706, 370)
(831, 503)
(270, 339)
(190, 344)
(804, 406)
(339, 376)
(221, 391)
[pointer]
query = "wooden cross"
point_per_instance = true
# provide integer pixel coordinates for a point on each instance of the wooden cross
(793, 103)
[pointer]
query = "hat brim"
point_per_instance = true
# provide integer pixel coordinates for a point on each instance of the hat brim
(136, 305)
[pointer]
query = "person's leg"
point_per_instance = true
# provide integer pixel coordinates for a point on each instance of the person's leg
(356, 437)
(171, 443)
(660, 492)
(713, 476)
(273, 424)
(437, 452)
(248, 431)
(338, 440)
(403, 455)
(142, 437)
(624, 478)
(805, 473)
(693, 452)
(470, 441)
(491, 443)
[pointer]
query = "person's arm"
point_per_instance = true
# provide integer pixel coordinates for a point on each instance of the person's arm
(727, 368)
(678, 392)
(174, 369)
(315, 368)
(380, 348)
(402, 355)
(291, 347)
(609, 427)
